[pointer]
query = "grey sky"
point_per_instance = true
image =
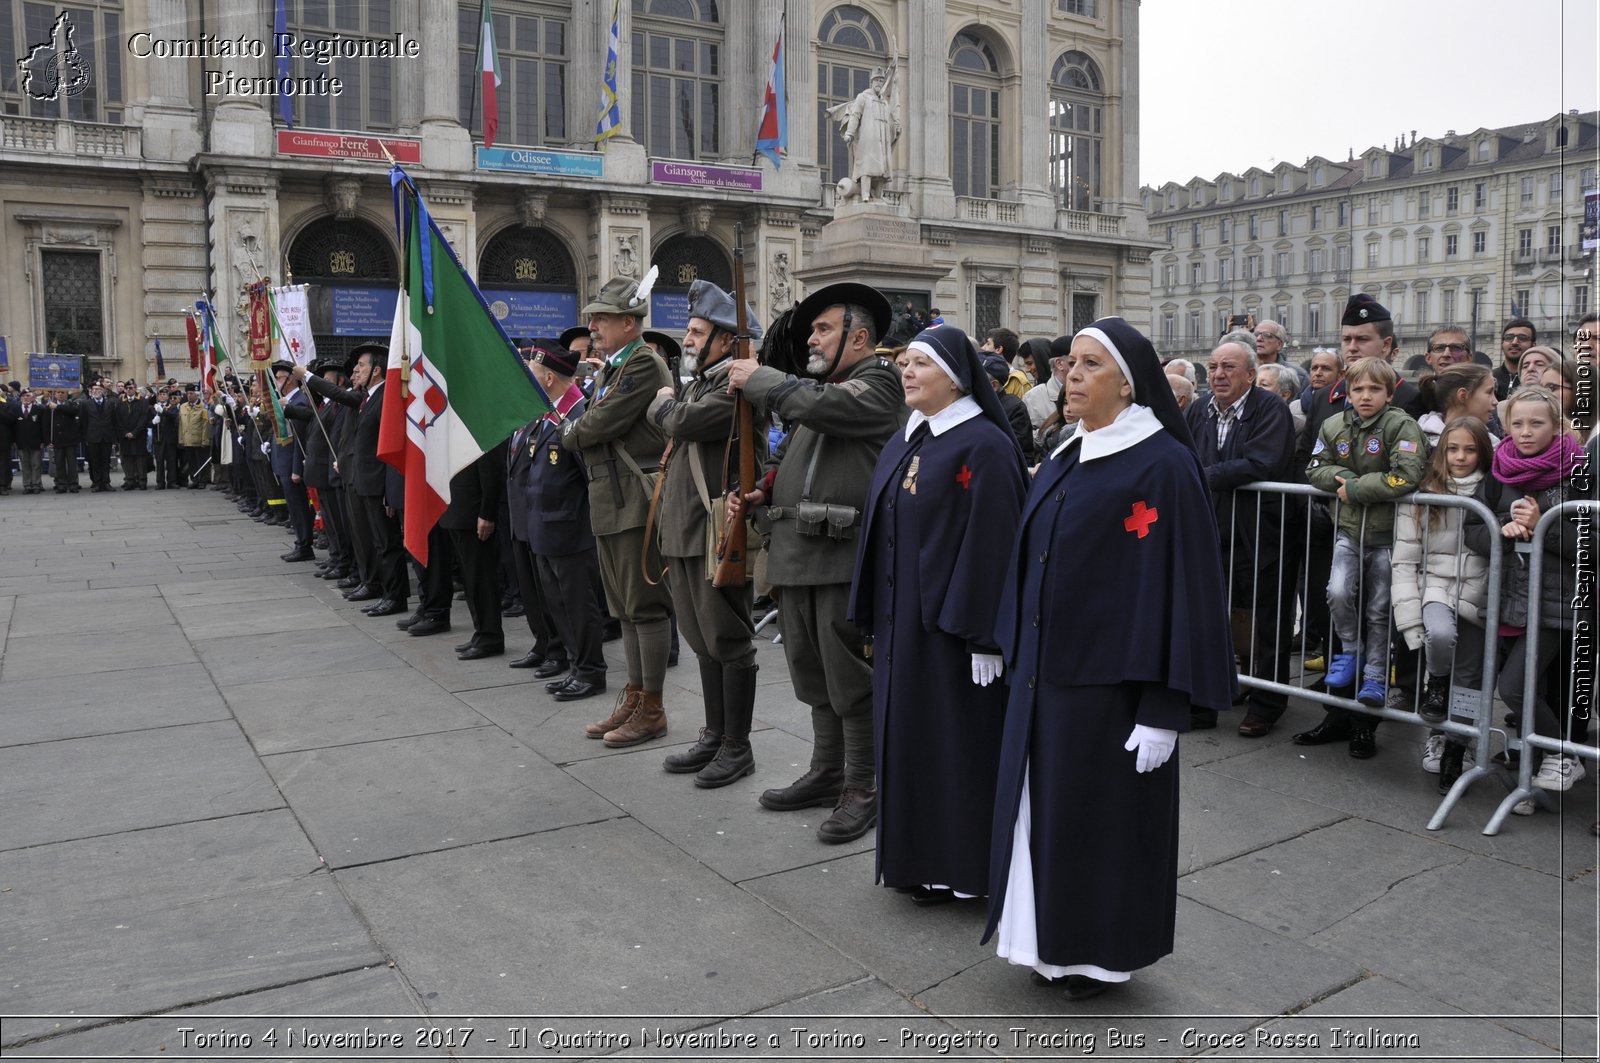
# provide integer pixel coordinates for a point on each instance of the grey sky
(1238, 83)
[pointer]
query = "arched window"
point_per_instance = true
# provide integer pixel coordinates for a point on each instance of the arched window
(1077, 98)
(367, 100)
(677, 77)
(529, 281)
(531, 42)
(848, 43)
(682, 260)
(974, 117)
(353, 277)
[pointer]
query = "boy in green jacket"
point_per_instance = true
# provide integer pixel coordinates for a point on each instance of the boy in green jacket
(1369, 456)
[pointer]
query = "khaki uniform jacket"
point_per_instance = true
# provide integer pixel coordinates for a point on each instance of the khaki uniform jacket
(698, 422)
(194, 425)
(615, 424)
(843, 424)
(1381, 460)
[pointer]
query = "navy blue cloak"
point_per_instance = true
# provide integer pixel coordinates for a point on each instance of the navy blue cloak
(1113, 615)
(929, 572)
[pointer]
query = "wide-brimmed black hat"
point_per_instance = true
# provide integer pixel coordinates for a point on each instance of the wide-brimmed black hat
(573, 333)
(668, 348)
(845, 292)
(282, 366)
(371, 347)
(322, 365)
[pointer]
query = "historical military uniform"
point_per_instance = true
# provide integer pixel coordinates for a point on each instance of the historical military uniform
(817, 489)
(715, 620)
(621, 450)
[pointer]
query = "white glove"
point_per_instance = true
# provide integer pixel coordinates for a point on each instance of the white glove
(986, 668)
(219, 409)
(1154, 744)
(159, 407)
(266, 448)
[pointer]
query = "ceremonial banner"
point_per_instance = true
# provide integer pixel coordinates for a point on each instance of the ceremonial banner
(455, 387)
(489, 64)
(610, 111)
(192, 333)
(259, 344)
(293, 342)
(772, 133)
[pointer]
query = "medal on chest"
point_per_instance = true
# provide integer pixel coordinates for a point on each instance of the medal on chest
(910, 482)
(555, 455)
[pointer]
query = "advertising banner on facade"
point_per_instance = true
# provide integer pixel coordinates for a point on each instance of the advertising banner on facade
(55, 372)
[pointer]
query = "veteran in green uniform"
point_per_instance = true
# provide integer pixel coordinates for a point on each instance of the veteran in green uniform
(715, 620)
(840, 415)
(621, 450)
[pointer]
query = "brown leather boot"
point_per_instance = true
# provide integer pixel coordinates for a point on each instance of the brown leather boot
(626, 702)
(649, 720)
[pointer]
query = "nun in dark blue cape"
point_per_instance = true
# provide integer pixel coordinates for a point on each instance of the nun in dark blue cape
(940, 520)
(1114, 626)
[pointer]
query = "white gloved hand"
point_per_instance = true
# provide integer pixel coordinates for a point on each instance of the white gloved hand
(266, 448)
(219, 409)
(1155, 745)
(986, 668)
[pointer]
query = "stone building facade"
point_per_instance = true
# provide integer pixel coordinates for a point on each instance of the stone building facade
(1467, 229)
(158, 179)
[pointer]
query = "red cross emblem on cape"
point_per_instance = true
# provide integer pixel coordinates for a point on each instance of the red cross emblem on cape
(1140, 519)
(964, 478)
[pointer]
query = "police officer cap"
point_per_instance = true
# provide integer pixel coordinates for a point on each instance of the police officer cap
(624, 296)
(553, 356)
(1363, 309)
(711, 303)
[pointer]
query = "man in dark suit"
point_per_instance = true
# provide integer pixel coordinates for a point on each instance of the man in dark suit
(369, 477)
(164, 420)
(98, 415)
(1243, 434)
(133, 420)
(548, 657)
(319, 425)
(560, 536)
(470, 522)
(288, 461)
(65, 432)
(29, 430)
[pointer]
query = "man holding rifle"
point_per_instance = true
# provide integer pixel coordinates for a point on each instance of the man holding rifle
(842, 412)
(701, 466)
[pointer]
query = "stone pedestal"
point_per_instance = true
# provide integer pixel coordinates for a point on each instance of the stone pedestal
(872, 244)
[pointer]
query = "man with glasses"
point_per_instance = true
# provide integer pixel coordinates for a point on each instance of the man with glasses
(1448, 346)
(1518, 335)
(1270, 339)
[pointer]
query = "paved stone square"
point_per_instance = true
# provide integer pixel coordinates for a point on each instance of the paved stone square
(226, 792)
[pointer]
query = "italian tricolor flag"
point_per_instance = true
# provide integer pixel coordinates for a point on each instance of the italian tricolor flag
(489, 59)
(456, 386)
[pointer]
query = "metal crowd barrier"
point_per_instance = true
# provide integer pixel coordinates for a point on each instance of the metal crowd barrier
(1582, 638)
(1470, 711)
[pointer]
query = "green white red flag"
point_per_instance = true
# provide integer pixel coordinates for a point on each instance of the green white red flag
(456, 386)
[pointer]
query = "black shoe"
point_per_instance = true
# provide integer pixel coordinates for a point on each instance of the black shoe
(1450, 765)
(1202, 719)
(697, 756)
(551, 666)
(515, 610)
(299, 555)
(578, 689)
(932, 897)
(817, 788)
(467, 645)
(429, 625)
(349, 583)
(733, 762)
(1322, 734)
(480, 651)
(1435, 706)
(854, 815)
(556, 686)
(1362, 744)
(386, 607)
(414, 618)
(1082, 987)
(361, 593)
(531, 659)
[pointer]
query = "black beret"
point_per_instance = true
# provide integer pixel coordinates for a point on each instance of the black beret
(553, 357)
(1363, 309)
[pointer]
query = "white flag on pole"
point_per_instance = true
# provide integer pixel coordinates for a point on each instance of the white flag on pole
(294, 343)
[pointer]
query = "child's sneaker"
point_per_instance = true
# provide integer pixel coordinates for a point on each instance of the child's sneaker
(1558, 772)
(1432, 750)
(1343, 671)
(1373, 693)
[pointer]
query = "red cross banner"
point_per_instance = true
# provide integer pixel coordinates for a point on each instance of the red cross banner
(293, 342)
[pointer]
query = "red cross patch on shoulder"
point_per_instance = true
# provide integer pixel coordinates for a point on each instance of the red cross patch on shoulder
(1140, 519)
(964, 478)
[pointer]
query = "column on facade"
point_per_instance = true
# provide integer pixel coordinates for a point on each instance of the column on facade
(1122, 111)
(1033, 103)
(242, 125)
(800, 75)
(446, 145)
(925, 108)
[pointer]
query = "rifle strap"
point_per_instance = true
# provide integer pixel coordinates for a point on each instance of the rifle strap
(650, 517)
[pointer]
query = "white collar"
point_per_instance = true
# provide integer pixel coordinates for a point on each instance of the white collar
(958, 412)
(1237, 407)
(1133, 425)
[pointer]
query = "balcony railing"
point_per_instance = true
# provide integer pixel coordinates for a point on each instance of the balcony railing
(897, 200)
(996, 210)
(69, 138)
(1090, 224)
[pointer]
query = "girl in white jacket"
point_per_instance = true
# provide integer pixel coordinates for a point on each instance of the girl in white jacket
(1440, 588)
